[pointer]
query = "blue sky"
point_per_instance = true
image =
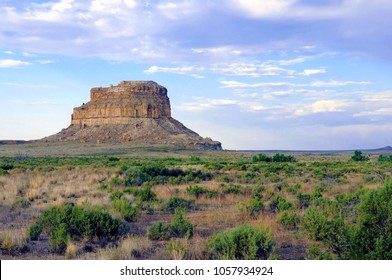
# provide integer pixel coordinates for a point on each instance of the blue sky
(253, 74)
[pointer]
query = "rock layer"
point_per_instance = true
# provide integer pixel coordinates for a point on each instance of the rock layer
(134, 112)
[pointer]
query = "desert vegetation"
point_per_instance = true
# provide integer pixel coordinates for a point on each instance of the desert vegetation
(221, 205)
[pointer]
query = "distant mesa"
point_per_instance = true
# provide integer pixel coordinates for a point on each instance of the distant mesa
(132, 112)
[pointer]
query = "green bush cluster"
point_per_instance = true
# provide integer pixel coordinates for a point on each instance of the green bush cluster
(275, 158)
(178, 228)
(385, 158)
(279, 203)
(175, 202)
(253, 208)
(160, 174)
(5, 167)
(125, 208)
(75, 222)
(290, 220)
(358, 156)
(241, 243)
(198, 191)
(352, 229)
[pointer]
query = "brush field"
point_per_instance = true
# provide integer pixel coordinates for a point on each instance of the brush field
(161, 204)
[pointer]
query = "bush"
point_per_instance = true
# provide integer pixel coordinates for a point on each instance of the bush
(146, 194)
(283, 158)
(316, 224)
(34, 232)
(198, 191)
(178, 202)
(179, 227)
(159, 174)
(261, 158)
(278, 203)
(371, 235)
(59, 238)
(253, 208)
(158, 232)
(125, 208)
(289, 219)
(233, 189)
(74, 222)
(358, 156)
(385, 158)
(241, 243)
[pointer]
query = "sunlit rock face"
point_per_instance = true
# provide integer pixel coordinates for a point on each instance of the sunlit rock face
(132, 112)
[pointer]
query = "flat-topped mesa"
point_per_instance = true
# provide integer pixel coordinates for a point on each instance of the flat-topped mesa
(122, 103)
(137, 113)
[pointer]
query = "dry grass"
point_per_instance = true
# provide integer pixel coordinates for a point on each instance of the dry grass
(72, 251)
(129, 248)
(13, 241)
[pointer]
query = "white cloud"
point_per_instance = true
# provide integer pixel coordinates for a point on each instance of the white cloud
(202, 104)
(205, 103)
(309, 72)
(293, 61)
(176, 70)
(12, 63)
(333, 83)
(235, 84)
(265, 8)
(177, 10)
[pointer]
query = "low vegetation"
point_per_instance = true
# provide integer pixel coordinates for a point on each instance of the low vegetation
(197, 206)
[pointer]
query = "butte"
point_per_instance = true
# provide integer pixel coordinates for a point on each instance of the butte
(134, 112)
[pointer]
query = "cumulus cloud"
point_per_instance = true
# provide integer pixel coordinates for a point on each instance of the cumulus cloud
(235, 84)
(12, 63)
(322, 106)
(334, 83)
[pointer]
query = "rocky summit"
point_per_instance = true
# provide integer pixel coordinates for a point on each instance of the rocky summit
(135, 112)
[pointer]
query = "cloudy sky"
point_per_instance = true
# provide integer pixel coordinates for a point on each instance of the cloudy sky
(253, 74)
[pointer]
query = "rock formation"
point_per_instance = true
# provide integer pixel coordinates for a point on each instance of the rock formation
(137, 112)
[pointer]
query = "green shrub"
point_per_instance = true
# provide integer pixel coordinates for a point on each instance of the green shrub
(233, 189)
(253, 208)
(317, 253)
(179, 228)
(371, 235)
(157, 173)
(261, 158)
(35, 231)
(316, 224)
(158, 232)
(304, 200)
(257, 191)
(146, 194)
(241, 243)
(198, 191)
(3, 172)
(125, 208)
(283, 158)
(278, 203)
(289, 219)
(74, 222)
(358, 156)
(59, 238)
(178, 202)
(385, 158)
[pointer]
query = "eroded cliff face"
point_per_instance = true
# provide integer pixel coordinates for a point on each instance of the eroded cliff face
(132, 112)
(122, 103)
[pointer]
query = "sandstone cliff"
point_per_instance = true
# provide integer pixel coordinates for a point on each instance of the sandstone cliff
(134, 112)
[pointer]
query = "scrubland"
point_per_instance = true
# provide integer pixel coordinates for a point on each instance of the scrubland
(195, 205)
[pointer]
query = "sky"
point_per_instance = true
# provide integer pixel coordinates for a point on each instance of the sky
(252, 74)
